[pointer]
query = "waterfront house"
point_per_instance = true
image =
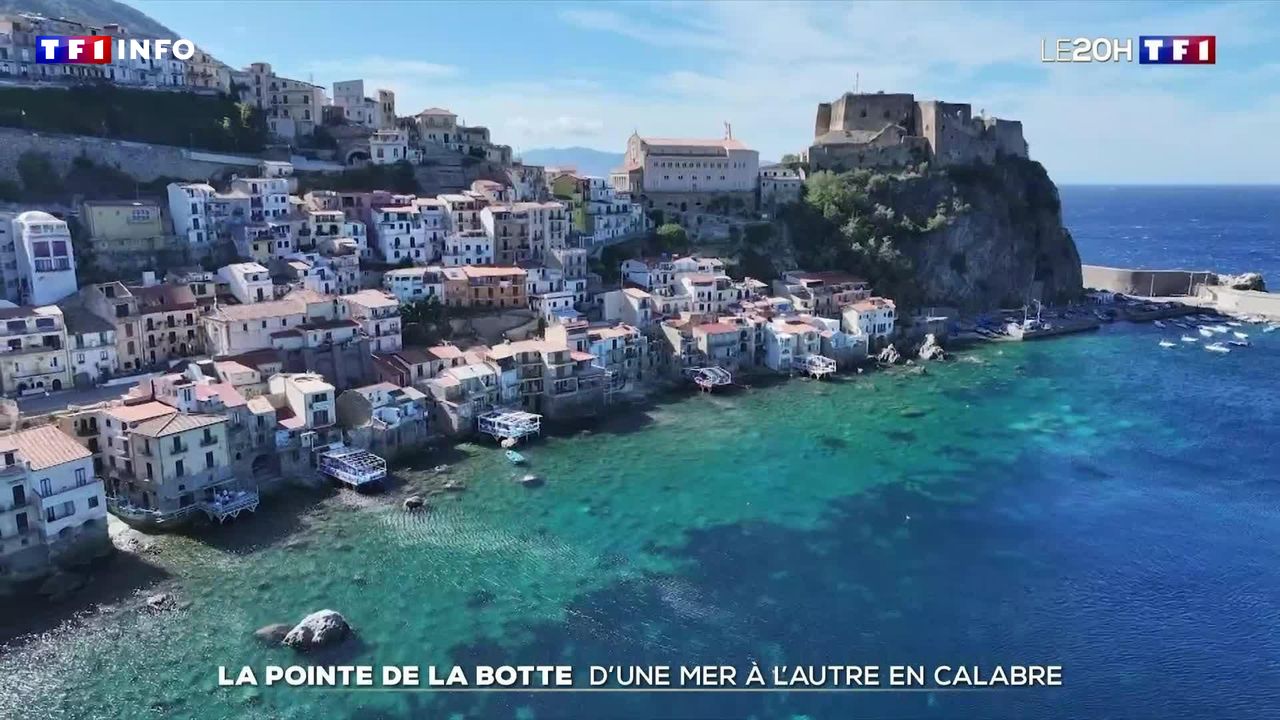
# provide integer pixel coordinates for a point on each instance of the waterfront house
(378, 314)
(33, 356)
(873, 317)
(825, 293)
(384, 418)
(51, 502)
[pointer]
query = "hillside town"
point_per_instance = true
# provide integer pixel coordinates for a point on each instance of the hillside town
(354, 327)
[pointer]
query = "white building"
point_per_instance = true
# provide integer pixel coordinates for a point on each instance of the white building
(632, 306)
(378, 314)
(469, 247)
(435, 224)
(91, 348)
(359, 109)
(787, 340)
(46, 263)
(873, 317)
(50, 501)
(607, 215)
(268, 197)
(412, 284)
(249, 282)
(387, 147)
(554, 306)
(779, 185)
(398, 234)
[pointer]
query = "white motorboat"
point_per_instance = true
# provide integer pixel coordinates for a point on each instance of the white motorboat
(1238, 343)
(1160, 324)
(1220, 329)
(1241, 336)
(1233, 323)
(1270, 328)
(1189, 339)
(1206, 332)
(1167, 344)
(1217, 347)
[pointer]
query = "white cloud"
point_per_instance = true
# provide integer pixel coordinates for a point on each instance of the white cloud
(558, 127)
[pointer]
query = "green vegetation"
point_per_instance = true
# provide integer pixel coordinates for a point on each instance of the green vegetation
(207, 122)
(40, 181)
(425, 322)
(848, 222)
(398, 177)
(671, 238)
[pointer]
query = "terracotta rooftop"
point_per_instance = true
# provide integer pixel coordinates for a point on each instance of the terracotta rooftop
(138, 413)
(44, 447)
(176, 423)
(715, 328)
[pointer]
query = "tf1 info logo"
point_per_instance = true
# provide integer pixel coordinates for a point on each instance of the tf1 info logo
(98, 49)
(1151, 50)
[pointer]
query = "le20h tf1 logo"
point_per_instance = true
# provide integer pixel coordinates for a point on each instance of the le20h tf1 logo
(1149, 49)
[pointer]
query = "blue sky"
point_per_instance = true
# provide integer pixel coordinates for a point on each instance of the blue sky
(542, 74)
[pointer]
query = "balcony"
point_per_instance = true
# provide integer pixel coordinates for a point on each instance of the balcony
(208, 441)
(179, 448)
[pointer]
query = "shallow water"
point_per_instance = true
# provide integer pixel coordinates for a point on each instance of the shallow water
(1094, 501)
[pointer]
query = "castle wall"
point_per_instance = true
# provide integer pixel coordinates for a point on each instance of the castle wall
(1008, 137)
(873, 112)
(842, 157)
(823, 123)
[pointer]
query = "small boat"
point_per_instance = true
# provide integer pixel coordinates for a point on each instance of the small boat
(1238, 343)
(1167, 344)
(1189, 339)
(515, 457)
(531, 480)
(1160, 324)
(1233, 323)
(1206, 332)
(1220, 329)
(1217, 347)
(1270, 328)
(1241, 336)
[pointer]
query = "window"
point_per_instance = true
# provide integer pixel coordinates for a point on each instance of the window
(93, 501)
(80, 477)
(179, 469)
(208, 459)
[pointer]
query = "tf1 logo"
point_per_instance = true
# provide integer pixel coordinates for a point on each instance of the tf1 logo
(97, 49)
(1151, 50)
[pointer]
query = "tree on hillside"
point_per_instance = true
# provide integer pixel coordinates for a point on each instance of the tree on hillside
(671, 238)
(425, 322)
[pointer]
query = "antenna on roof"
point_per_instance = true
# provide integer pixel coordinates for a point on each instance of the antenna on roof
(728, 131)
(857, 78)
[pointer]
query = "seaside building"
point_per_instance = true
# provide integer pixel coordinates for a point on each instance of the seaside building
(359, 109)
(412, 284)
(398, 235)
(384, 418)
(873, 317)
(163, 464)
(378, 315)
(468, 247)
(826, 292)
(33, 357)
(494, 287)
(91, 347)
(623, 351)
(51, 502)
(632, 306)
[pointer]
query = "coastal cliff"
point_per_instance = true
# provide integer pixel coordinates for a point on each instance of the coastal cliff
(974, 237)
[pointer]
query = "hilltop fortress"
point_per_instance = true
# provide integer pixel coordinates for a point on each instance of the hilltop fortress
(863, 130)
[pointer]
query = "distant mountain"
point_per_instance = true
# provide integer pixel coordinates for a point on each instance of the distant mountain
(586, 160)
(92, 12)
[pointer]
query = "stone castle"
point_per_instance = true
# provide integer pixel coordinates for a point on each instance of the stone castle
(864, 130)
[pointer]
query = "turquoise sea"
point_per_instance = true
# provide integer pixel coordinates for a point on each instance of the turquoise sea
(1094, 502)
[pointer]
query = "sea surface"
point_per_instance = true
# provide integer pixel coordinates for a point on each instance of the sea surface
(1225, 229)
(1094, 501)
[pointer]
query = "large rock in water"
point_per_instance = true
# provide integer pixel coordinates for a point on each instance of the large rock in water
(931, 350)
(889, 355)
(320, 628)
(1244, 281)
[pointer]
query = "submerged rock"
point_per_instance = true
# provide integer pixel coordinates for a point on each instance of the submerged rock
(455, 486)
(272, 634)
(320, 628)
(531, 481)
(159, 602)
(414, 502)
(60, 585)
